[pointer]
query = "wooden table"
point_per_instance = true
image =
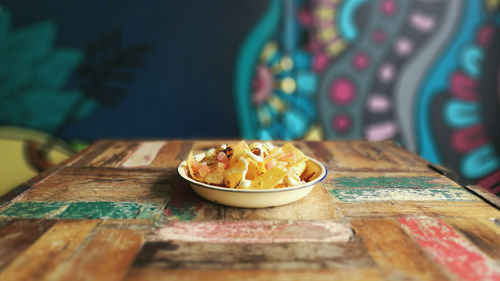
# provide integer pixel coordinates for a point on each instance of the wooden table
(119, 211)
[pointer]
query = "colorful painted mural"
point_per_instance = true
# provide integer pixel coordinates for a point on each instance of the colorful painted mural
(37, 104)
(421, 73)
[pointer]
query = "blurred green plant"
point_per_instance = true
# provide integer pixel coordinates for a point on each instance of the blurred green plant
(33, 76)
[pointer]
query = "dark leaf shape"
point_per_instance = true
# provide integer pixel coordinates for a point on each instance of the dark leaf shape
(108, 67)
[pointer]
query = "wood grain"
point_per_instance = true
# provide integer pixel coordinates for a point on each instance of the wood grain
(394, 252)
(402, 194)
(89, 154)
(255, 232)
(166, 155)
(477, 209)
(359, 156)
(17, 236)
(45, 255)
(184, 204)
(406, 224)
(255, 256)
(104, 184)
(317, 205)
(184, 149)
(483, 233)
(83, 210)
(144, 155)
(456, 255)
(154, 274)
(106, 257)
(19, 191)
(489, 197)
(418, 180)
(319, 151)
(114, 154)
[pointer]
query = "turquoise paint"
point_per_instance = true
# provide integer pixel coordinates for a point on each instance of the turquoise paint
(437, 79)
(307, 83)
(471, 60)
(289, 36)
(34, 75)
(402, 194)
(387, 182)
(460, 114)
(245, 65)
(32, 210)
(83, 210)
(347, 26)
(480, 162)
(99, 210)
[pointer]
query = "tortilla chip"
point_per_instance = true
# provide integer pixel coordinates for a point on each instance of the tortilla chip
(253, 171)
(289, 148)
(311, 171)
(269, 179)
(299, 167)
(239, 149)
(216, 177)
(190, 171)
(234, 175)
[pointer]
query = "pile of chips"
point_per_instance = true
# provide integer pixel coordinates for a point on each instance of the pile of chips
(254, 166)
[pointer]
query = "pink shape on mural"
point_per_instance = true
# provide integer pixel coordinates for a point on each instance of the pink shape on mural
(404, 46)
(388, 7)
(263, 84)
(463, 87)
(422, 22)
(361, 61)
(342, 91)
(378, 36)
(386, 72)
(378, 103)
(342, 123)
(381, 131)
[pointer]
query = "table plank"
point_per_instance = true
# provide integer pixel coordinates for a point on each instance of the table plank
(155, 274)
(478, 209)
(113, 155)
(450, 250)
(17, 235)
(93, 151)
(255, 232)
(394, 252)
(409, 180)
(144, 154)
(107, 256)
(253, 256)
(166, 157)
(404, 217)
(83, 210)
(45, 255)
(104, 184)
(483, 233)
(360, 156)
(184, 204)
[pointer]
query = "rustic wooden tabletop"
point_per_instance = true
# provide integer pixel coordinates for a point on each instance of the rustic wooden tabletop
(119, 211)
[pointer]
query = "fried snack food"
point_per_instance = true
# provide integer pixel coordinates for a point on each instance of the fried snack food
(254, 166)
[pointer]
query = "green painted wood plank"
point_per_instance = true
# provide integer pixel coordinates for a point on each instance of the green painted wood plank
(389, 182)
(83, 210)
(32, 210)
(402, 194)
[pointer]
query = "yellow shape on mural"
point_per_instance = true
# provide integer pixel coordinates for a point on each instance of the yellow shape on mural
(314, 134)
(16, 165)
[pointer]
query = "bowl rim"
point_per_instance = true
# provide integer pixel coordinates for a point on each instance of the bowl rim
(182, 171)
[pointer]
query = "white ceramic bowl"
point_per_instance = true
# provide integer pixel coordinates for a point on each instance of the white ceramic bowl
(251, 198)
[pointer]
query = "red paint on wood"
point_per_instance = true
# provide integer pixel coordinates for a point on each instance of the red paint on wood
(450, 250)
